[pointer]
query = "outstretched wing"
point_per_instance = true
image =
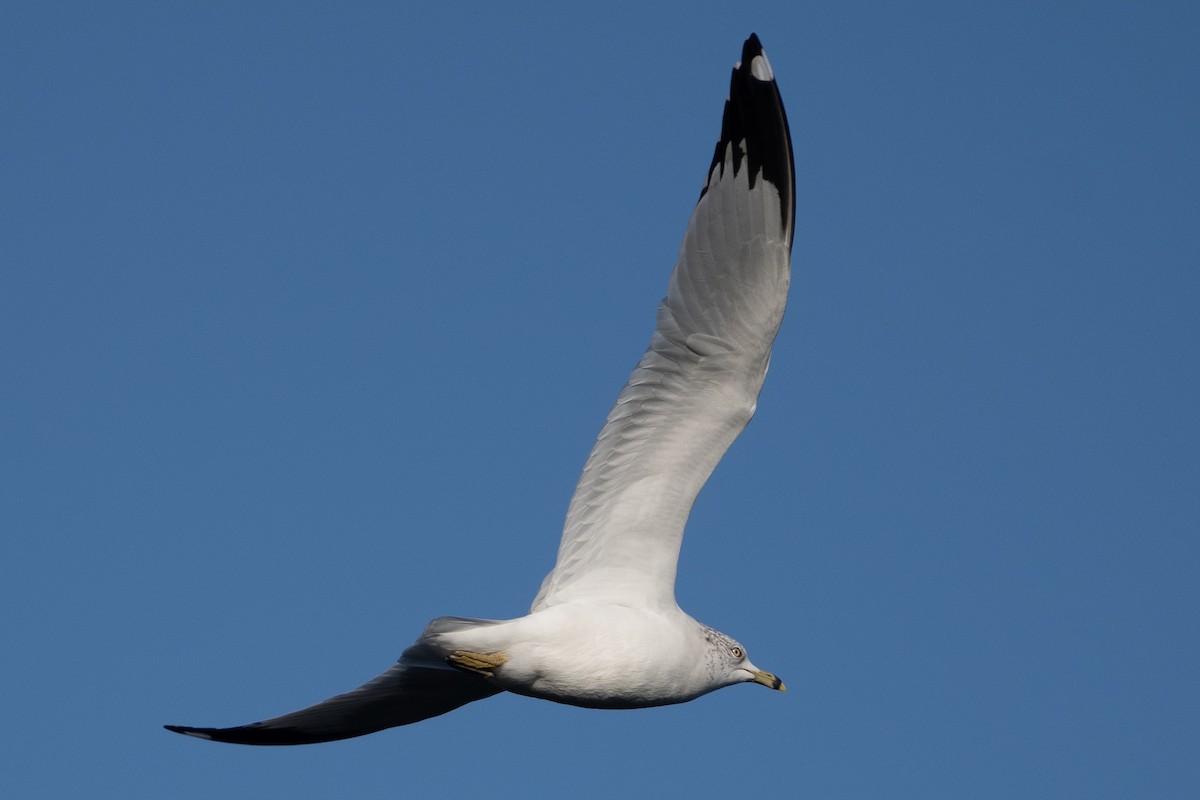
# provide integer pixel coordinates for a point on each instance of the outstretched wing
(421, 685)
(696, 387)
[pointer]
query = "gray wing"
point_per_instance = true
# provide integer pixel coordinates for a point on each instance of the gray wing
(696, 386)
(421, 685)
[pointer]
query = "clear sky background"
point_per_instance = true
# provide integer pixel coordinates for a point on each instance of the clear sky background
(308, 319)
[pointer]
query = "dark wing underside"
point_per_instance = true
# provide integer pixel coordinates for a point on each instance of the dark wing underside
(421, 685)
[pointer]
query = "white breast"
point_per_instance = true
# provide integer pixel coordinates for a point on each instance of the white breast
(605, 656)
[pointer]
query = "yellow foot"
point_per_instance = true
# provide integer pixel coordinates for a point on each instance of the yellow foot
(482, 663)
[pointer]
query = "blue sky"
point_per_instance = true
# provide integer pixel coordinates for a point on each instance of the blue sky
(308, 319)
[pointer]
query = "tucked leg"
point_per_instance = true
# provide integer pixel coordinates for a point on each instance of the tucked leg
(481, 663)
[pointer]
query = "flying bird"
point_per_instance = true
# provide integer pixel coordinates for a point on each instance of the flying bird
(605, 630)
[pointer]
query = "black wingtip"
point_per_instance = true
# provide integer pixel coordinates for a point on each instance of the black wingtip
(199, 733)
(754, 114)
(265, 735)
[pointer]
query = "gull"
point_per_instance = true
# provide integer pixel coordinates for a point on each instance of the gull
(605, 630)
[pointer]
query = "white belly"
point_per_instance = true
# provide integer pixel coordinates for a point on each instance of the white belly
(605, 656)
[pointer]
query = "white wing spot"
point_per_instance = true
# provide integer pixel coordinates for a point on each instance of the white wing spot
(761, 68)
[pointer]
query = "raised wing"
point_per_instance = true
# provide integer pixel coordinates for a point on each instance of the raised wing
(421, 685)
(696, 387)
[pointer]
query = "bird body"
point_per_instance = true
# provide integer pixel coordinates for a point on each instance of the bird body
(596, 656)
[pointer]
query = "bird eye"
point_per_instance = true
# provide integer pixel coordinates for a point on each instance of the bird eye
(736, 651)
